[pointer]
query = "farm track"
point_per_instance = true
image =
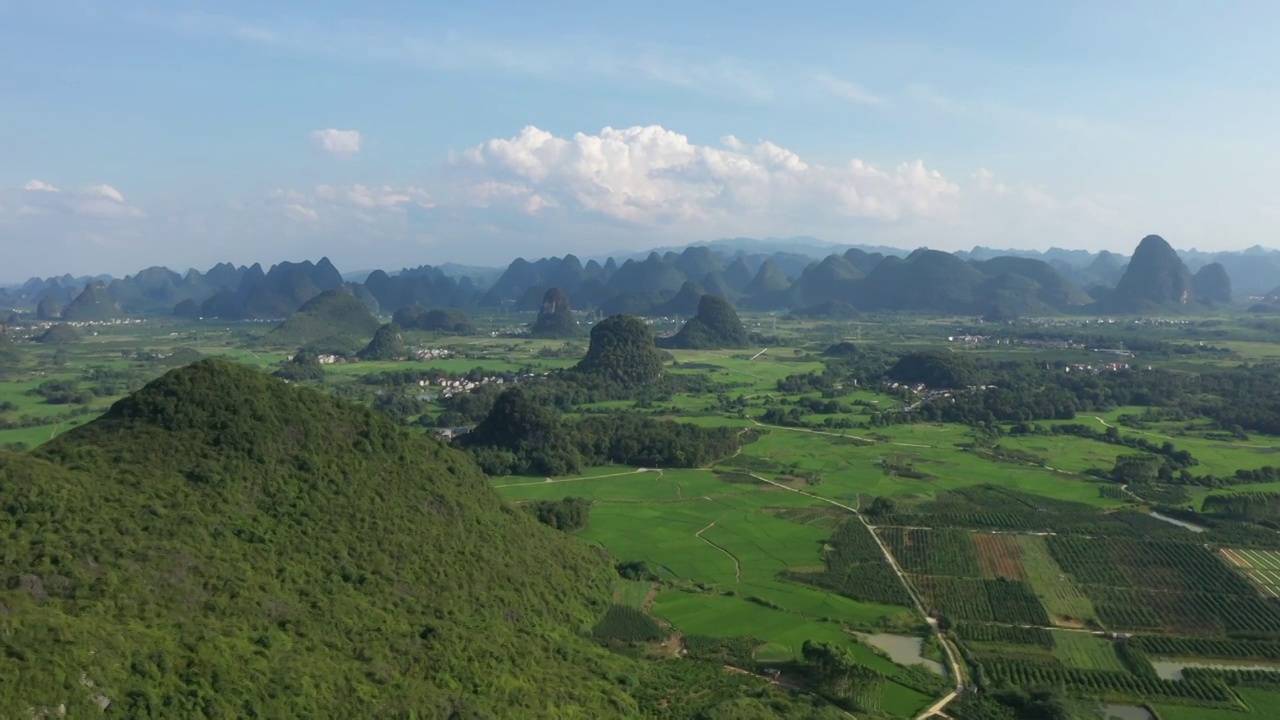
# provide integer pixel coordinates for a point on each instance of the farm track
(839, 435)
(577, 479)
(957, 675)
(737, 564)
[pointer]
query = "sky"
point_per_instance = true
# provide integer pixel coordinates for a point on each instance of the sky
(400, 133)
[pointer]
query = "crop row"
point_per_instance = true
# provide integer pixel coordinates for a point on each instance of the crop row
(972, 508)
(933, 552)
(1156, 564)
(1099, 683)
(1004, 634)
(1191, 613)
(1000, 600)
(1234, 678)
(623, 622)
(1206, 647)
(855, 568)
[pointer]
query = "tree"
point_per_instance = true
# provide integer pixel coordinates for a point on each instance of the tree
(568, 514)
(1137, 468)
(882, 507)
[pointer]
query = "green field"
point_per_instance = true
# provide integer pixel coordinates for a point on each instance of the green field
(1065, 603)
(725, 616)
(1260, 704)
(1085, 651)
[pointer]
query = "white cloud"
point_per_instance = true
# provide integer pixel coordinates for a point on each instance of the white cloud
(846, 90)
(103, 202)
(336, 204)
(732, 143)
(385, 196)
(39, 186)
(105, 191)
(338, 143)
(652, 176)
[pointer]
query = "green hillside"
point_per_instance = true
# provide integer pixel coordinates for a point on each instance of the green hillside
(715, 326)
(555, 318)
(223, 545)
(92, 304)
(332, 320)
(387, 344)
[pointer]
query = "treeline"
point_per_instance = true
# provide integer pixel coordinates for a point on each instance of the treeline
(1261, 507)
(565, 392)
(521, 436)
(1022, 391)
(841, 679)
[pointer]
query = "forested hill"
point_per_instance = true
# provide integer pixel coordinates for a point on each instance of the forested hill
(221, 544)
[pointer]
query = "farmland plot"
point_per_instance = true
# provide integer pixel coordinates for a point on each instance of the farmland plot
(1260, 566)
(999, 556)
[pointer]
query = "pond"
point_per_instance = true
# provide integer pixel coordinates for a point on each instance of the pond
(1180, 523)
(1172, 669)
(1114, 711)
(902, 649)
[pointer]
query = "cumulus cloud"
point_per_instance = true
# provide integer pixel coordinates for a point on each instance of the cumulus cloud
(338, 143)
(652, 176)
(540, 193)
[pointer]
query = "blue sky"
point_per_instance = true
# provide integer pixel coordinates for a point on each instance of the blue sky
(400, 133)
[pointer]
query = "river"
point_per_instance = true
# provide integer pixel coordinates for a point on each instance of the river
(1180, 523)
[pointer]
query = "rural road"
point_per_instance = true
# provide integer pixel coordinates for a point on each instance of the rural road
(936, 708)
(953, 664)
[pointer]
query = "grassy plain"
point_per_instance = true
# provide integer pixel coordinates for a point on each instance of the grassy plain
(719, 547)
(1085, 651)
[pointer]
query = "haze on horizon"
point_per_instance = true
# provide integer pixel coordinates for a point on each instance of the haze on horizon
(148, 133)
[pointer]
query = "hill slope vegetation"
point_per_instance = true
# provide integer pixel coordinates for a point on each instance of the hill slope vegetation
(715, 326)
(221, 544)
(334, 319)
(555, 318)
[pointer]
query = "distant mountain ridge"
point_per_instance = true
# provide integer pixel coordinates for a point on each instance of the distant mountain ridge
(767, 275)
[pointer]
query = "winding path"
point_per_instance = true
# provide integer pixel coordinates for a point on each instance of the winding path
(737, 565)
